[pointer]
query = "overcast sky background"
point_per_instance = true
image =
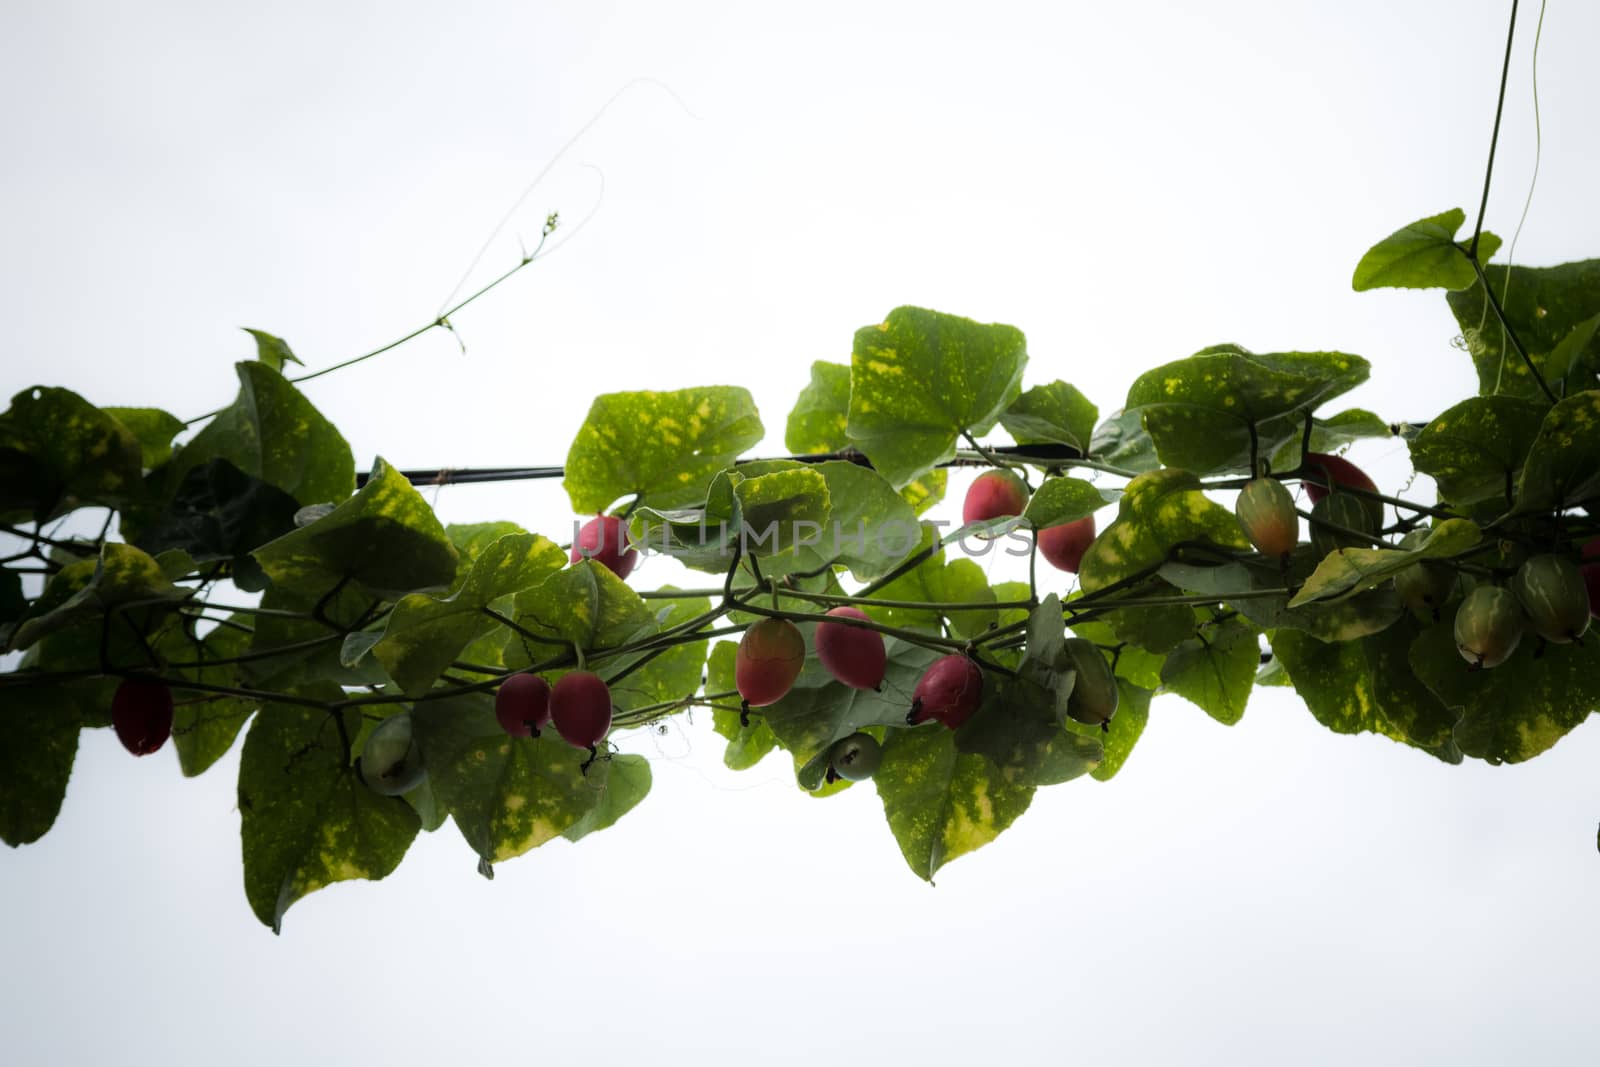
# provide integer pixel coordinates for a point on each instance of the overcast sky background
(1125, 182)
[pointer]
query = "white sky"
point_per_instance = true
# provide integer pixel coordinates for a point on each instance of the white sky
(1125, 182)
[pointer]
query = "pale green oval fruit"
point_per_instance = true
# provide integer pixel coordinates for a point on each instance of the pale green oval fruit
(856, 758)
(390, 762)
(1488, 626)
(1094, 694)
(1427, 585)
(1340, 509)
(1552, 592)
(1266, 514)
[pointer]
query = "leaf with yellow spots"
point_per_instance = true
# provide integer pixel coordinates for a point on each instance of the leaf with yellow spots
(1055, 414)
(85, 591)
(509, 795)
(1346, 572)
(674, 673)
(1366, 686)
(1543, 305)
(205, 724)
(1062, 500)
(920, 379)
(1563, 466)
(764, 509)
(385, 539)
(925, 491)
(1516, 710)
(1125, 729)
(425, 634)
(1475, 449)
(272, 432)
(817, 423)
(154, 428)
(306, 820)
(662, 449)
(864, 512)
(1200, 410)
(959, 581)
(41, 724)
(585, 605)
(1423, 255)
(942, 803)
(58, 452)
(1265, 585)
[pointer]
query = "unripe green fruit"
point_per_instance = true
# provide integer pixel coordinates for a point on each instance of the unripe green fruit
(390, 762)
(1488, 626)
(1340, 509)
(1094, 694)
(771, 654)
(856, 758)
(1266, 514)
(1426, 585)
(1554, 597)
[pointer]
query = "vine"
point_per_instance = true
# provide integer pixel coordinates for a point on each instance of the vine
(394, 673)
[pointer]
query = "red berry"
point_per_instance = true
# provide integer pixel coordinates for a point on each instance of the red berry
(771, 654)
(141, 713)
(852, 654)
(522, 705)
(604, 539)
(580, 708)
(1063, 546)
(949, 691)
(994, 495)
(1334, 469)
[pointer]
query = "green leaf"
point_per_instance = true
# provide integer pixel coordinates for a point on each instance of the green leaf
(303, 649)
(1332, 435)
(154, 429)
(1126, 726)
(920, 379)
(1544, 305)
(662, 449)
(205, 724)
(675, 673)
(1366, 686)
(272, 432)
(1347, 571)
(627, 783)
(59, 452)
(934, 581)
(41, 724)
(765, 512)
(585, 605)
(1199, 411)
(1475, 449)
(507, 794)
(748, 744)
(1563, 466)
(1158, 510)
(425, 634)
(1575, 356)
(1062, 500)
(817, 423)
(385, 539)
(866, 527)
(123, 576)
(1215, 673)
(219, 512)
(1122, 441)
(273, 351)
(307, 821)
(1337, 620)
(1518, 709)
(1423, 255)
(942, 803)
(1054, 414)
(924, 492)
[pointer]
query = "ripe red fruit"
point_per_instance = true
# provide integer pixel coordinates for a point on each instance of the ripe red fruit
(522, 705)
(1063, 546)
(580, 709)
(771, 654)
(141, 712)
(852, 654)
(949, 691)
(604, 538)
(994, 495)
